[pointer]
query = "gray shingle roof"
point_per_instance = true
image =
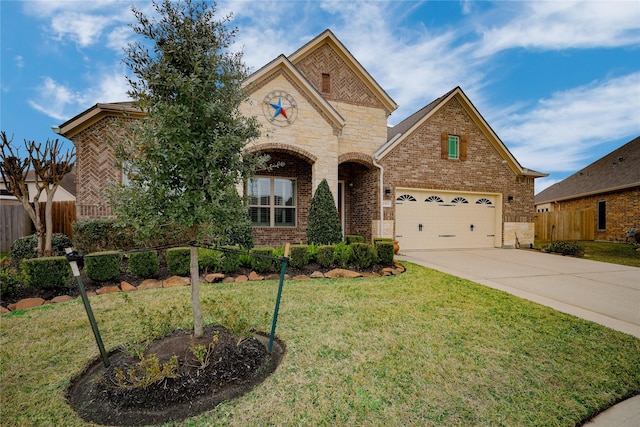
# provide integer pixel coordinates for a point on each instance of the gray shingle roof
(618, 169)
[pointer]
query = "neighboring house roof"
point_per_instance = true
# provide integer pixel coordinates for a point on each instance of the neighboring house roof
(617, 170)
(88, 117)
(68, 185)
(328, 37)
(402, 130)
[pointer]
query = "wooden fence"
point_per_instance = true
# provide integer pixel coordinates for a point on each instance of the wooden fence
(15, 222)
(565, 225)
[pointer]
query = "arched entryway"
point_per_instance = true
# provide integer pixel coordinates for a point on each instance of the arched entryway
(358, 194)
(279, 195)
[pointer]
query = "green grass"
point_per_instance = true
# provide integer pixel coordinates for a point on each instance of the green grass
(615, 253)
(423, 348)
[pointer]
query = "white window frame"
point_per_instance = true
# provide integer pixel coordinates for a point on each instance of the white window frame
(272, 206)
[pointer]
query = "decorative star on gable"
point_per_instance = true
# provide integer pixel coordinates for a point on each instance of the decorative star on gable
(280, 108)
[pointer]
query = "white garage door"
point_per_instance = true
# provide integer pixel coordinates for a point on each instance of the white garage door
(427, 219)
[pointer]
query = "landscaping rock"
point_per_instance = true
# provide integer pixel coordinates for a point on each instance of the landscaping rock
(61, 298)
(276, 277)
(150, 284)
(242, 278)
(26, 303)
(228, 280)
(4, 310)
(91, 294)
(254, 277)
(368, 274)
(11, 307)
(301, 277)
(337, 273)
(108, 290)
(214, 277)
(317, 275)
(127, 287)
(175, 281)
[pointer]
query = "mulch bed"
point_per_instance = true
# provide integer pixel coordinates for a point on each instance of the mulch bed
(233, 370)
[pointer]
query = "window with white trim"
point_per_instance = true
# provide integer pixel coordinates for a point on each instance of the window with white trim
(272, 201)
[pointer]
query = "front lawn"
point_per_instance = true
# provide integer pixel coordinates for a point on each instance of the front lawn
(421, 348)
(615, 253)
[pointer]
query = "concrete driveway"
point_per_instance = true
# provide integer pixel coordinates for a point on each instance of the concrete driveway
(604, 293)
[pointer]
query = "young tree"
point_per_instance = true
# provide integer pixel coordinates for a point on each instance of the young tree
(186, 156)
(49, 168)
(324, 223)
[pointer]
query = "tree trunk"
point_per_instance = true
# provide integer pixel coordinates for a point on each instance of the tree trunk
(48, 228)
(195, 294)
(39, 227)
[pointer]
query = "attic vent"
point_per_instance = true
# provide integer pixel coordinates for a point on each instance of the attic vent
(326, 83)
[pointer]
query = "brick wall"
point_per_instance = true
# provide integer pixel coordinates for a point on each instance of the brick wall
(95, 166)
(623, 212)
(416, 163)
(361, 198)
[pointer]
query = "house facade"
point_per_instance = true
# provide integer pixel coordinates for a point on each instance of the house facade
(439, 179)
(608, 188)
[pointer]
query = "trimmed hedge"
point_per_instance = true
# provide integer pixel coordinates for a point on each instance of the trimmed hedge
(46, 272)
(144, 264)
(353, 239)
(325, 255)
(364, 254)
(259, 264)
(298, 256)
(230, 261)
(179, 261)
(9, 277)
(385, 251)
(102, 266)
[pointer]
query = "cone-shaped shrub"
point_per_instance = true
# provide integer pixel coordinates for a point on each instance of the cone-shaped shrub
(324, 223)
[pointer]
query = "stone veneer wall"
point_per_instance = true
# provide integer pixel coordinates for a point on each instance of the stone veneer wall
(95, 166)
(417, 163)
(623, 212)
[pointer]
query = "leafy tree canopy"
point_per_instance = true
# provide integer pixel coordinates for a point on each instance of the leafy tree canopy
(186, 157)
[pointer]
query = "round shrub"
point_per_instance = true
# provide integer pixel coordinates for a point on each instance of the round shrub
(27, 246)
(46, 272)
(259, 264)
(325, 255)
(566, 248)
(144, 264)
(9, 277)
(179, 261)
(298, 256)
(385, 251)
(364, 254)
(102, 266)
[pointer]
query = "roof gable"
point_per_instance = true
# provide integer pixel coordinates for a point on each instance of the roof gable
(281, 66)
(404, 129)
(615, 171)
(77, 124)
(326, 54)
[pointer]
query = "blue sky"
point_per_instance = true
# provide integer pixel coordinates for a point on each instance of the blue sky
(559, 81)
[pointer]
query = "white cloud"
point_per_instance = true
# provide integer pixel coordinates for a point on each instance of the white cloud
(565, 24)
(558, 132)
(60, 101)
(19, 59)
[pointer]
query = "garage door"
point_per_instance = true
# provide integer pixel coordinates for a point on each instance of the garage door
(427, 219)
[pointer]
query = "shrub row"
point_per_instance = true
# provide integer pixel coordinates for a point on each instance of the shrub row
(27, 246)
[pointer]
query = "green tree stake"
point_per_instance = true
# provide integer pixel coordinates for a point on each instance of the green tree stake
(85, 300)
(275, 310)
